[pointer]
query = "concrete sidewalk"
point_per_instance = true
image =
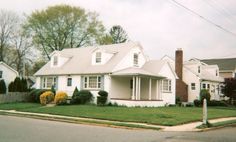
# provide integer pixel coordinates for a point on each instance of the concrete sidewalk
(185, 127)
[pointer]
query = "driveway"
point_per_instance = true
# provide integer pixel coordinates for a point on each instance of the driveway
(19, 129)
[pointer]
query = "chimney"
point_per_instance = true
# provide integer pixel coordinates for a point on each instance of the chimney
(179, 63)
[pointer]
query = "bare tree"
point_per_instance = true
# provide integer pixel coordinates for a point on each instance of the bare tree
(8, 22)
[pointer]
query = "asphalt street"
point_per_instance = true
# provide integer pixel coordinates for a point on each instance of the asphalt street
(19, 129)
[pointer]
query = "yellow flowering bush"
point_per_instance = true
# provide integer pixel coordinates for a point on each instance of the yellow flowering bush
(60, 98)
(46, 97)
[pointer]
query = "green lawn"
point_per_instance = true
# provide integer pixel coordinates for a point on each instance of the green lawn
(161, 116)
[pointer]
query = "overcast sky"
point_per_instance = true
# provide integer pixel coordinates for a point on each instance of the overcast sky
(160, 26)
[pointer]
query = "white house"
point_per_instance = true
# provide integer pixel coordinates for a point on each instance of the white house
(122, 70)
(195, 76)
(7, 73)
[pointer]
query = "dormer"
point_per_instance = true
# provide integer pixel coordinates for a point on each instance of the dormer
(58, 59)
(101, 57)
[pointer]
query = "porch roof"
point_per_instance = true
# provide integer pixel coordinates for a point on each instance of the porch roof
(134, 71)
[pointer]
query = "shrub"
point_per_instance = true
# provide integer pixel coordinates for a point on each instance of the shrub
(82, 97)
(11, 87)
(53, 90)
(204, 94)
(197, 103)
(60, 98)
(102, 98)
(178, 101)
(216, 103)
(35, 95)
(46, 97)
(24, 86)
(3, 88)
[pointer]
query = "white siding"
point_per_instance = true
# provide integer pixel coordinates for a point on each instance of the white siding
(127, 61)
(7, 74)
(168, 98)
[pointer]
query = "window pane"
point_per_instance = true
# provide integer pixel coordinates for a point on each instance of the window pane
(93, 82)
(135, 59)
(98, 57)
(69, 81)
(55, 60)
(193, 87)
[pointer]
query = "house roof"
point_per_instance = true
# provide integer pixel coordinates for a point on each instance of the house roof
(224, 63)
(150, 68)
(4, 64)
(80, 60)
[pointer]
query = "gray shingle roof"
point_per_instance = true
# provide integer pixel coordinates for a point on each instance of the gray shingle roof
(224, 63)
(80, 60)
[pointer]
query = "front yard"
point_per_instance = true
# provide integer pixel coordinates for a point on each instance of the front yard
(168, 116)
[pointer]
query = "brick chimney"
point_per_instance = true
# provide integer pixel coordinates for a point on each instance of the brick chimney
(179, 63)
(181, 86)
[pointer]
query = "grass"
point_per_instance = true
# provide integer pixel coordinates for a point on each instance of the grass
(167, 116)
(218, 124)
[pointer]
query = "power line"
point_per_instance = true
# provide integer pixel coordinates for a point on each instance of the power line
(203, 18)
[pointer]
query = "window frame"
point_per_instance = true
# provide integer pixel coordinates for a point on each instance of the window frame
(135, 59)
(193, 86)
(88, 84)
(69, 82)
(166, 86)
(98, 57)
(55, 60)
(45, 83)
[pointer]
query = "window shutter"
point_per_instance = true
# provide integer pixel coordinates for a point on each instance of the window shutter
(102, 82)
(41, 82)
(81, 83)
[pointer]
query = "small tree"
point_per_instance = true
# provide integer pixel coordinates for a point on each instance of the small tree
(17, 85)
(53, 90)
(3, 88)
(204, 94)
(102, 98)
(230, 88)
(11, 87)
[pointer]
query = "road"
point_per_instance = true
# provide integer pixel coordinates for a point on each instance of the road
(19, 129)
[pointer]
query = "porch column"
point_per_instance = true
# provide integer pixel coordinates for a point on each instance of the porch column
(133, 89)
(157, 90)
(150, 89)
(136, 89)
(139, 88)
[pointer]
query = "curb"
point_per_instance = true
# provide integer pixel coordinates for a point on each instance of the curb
(78, 120)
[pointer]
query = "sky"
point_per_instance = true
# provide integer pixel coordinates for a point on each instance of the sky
(160, 26)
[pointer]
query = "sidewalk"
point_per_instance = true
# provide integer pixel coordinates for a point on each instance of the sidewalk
(190, 127)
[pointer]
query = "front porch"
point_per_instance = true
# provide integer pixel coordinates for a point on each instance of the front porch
(136, 90)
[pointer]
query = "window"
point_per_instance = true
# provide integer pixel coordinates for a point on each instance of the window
(208, 86)
(166, 85)
(199, 69)
(216, 73)
(203, 86)
(0, 74)
(135, 59)
(193, 86)
(48, 82)
(69, 81)
(55, 61)
(92, 82)
(98, 57)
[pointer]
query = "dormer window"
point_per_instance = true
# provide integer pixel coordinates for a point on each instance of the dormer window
(98, 57)
(135, 59)
(199, 69)
(55, 61)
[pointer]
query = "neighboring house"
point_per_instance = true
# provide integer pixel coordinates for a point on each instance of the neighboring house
(7, 73)
(120, 69)
(194, 76)
(227, 66)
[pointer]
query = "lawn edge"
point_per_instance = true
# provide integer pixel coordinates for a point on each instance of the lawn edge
(85, 122)
(216, 125)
